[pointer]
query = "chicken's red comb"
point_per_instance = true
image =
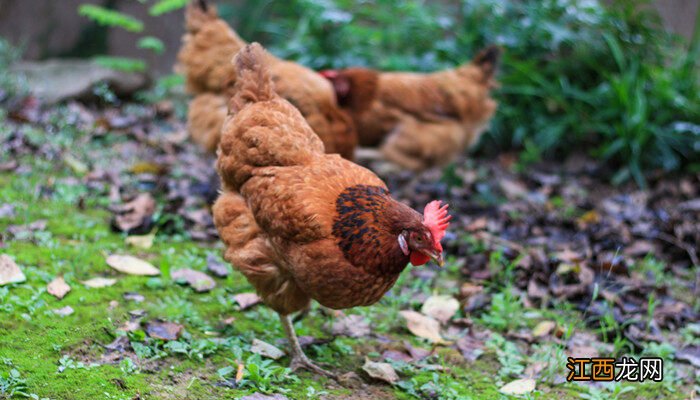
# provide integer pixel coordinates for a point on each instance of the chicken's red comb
(329, 73)
(435, 217)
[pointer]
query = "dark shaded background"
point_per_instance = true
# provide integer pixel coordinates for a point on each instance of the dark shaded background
(53, 28)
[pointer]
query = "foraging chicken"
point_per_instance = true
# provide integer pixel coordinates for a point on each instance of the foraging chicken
(205, 60)
(301, 224)
(419, 120)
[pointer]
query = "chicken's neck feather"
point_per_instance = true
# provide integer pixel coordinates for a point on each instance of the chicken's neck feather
(367, 226)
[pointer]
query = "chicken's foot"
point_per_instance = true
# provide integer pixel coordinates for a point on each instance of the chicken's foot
(299, 359)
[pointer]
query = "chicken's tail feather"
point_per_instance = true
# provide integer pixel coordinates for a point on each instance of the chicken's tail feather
(198, 13)
(254, 81)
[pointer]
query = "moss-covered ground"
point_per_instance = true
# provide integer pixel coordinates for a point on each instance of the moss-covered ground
(61, 357)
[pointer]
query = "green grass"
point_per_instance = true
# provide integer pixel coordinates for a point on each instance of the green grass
(47, 356)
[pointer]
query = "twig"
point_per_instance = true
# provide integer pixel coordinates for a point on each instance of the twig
(678, 243)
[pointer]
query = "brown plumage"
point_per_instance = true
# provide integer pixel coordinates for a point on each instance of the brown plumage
(419, 120)
(301, 224)
(205, 60)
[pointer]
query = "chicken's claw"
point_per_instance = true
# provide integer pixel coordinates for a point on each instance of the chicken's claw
(302, 362)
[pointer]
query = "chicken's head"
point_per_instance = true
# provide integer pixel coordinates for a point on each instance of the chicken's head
(423, 243)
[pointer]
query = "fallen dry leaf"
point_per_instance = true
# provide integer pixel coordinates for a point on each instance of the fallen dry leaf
(518, 386)
(246, 300)
(65, 311)
(99, 282)
(164, 330)
(691, 354)
(133, 296)
(470, 347)
(469, 289)
(199, 281)
(58, 288)
(442, 308)
(382, 371)
(7, 210)
(543, 328)
(422, 326)
(512, 189)
(416, 353)
(141, 241)
(9, 271)
(130, 326)
(351, 325)
(136, 215)
(131, 265)
(239, 372)
(266, 349)
(396, 356)
(216, 267)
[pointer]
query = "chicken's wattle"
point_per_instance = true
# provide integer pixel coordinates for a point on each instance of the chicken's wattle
(418, 258)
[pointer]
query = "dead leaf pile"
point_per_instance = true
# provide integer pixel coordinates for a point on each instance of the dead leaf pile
(572, 237)
(135, 216)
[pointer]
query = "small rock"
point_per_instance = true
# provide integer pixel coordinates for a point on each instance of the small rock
(60, 79)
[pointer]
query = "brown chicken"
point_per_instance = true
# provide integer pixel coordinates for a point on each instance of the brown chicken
(205, 60)
(301, 224)
(419, 120)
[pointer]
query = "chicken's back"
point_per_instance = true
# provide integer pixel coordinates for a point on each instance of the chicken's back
(313, 96)
(207, 48)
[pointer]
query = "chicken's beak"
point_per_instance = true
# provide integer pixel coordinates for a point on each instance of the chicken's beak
(436, 256)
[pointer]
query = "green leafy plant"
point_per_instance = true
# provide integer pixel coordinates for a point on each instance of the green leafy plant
(12, 385)
(602, 77)
(509, 356)
(265, 376)
(116, 19)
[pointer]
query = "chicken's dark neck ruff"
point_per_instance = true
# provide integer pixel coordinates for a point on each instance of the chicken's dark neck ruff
(367, 228)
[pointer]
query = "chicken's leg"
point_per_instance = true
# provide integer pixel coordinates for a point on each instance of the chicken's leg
(299, 359)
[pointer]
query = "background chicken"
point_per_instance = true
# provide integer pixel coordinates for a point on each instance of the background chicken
(205, 60)
(419, 120)
(301, 224)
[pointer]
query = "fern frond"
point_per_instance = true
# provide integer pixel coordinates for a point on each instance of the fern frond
(107, 17)
(166, 6)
